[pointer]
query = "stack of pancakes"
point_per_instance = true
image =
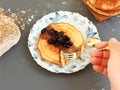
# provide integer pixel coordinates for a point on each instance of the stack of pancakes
(103, 9)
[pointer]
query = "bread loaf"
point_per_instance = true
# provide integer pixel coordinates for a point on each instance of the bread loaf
(9, 34)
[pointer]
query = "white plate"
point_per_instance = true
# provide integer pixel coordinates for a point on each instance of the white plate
(80, 22)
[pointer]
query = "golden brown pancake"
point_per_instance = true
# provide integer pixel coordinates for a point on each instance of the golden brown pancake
(106, 4)
(98, 16)
(103, 9)
(50, 52)
(99, 11)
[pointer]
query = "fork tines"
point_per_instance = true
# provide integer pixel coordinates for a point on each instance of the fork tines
(69, 55)
(66, 56)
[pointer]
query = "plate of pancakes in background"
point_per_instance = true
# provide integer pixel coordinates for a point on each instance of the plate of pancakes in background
(103, 9)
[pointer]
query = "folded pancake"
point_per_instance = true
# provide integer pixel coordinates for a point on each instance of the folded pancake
(51, 52)
(103, 9)
(9, 34)
(99, 11)
(98, 16)
(106, 4)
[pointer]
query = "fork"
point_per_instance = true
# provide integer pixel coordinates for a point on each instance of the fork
(92, 41)
(66, 56)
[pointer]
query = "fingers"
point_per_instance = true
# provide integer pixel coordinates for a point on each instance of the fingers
(101, 45)
(100, 69)
(101, 54)
(99, 58)
(114, 46)
(99, 61)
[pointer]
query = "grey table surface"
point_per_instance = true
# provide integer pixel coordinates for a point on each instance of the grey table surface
(18, 70)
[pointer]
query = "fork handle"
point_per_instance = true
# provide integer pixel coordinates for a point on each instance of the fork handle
(106, 48)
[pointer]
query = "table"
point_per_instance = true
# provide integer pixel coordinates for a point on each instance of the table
(18, 70)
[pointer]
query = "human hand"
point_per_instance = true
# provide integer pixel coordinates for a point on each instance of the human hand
(107, 62)
(99, 58)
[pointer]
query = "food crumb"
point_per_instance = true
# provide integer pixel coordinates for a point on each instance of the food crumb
(118, 16)
(30, 18)
(103, 89)
(63, 3)
(113, 29)
(18, 17)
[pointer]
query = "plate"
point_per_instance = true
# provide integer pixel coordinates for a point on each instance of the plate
(82, 23)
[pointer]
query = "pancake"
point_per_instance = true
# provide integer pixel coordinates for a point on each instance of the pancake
(98, 16)
(98, 6)
(99, 11)
(51, 52)
(103, 9)
(106, 4)
(9, 34)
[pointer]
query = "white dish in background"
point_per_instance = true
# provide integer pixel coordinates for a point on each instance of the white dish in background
(86, 27)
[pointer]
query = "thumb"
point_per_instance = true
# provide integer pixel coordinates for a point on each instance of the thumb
(114, 46)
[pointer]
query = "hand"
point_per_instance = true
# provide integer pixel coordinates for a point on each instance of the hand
(107, 62)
